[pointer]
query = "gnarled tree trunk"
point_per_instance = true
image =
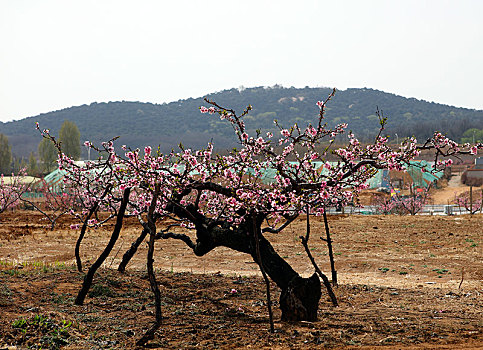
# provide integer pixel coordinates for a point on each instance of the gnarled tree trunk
(300, 296)
(300, 300)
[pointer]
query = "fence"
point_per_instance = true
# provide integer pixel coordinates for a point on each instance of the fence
(430, 209)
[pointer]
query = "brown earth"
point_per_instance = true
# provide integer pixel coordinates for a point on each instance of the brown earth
(451, 189)
(445, 194)
(404, 283)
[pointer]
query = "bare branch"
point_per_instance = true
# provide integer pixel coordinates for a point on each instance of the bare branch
(168, 234)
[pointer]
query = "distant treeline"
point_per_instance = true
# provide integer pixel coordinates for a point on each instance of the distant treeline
(168, 124)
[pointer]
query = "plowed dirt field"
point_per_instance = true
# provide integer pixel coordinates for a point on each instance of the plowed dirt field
(404, 283)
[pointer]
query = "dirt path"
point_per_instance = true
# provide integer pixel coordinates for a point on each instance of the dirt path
(454, 188)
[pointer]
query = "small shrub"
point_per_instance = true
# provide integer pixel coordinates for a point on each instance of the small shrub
(99, 290)
(41, 329)
(5, 294)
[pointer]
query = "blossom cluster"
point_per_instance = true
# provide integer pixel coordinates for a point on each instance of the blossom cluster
(228, 187)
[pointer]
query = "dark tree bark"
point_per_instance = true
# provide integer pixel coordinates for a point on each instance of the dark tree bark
(81, 237)
(151, 228)
(300, 296)
(92, 210)
(300, 300)
(131, 251)
(157, 295)
(328, 240)
(86, 285)
(256, 231)
(325, 280)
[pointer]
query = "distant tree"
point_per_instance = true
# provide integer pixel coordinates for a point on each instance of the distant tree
(32, 168)
(11, 191)
(18, 164)
(472, 135)
(470, 201)
(69, 136)
(5, 155)
(403, 205)
(55, 203)
(47, 154)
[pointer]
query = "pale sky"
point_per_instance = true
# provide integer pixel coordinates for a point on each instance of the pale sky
(56, 54)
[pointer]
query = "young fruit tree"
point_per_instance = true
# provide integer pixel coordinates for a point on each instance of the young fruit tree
(471, 201)
(220, 200)
(55, 202)
(403, 205)
(12, 189)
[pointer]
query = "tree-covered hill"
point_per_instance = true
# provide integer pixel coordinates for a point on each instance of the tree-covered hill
(166, 125)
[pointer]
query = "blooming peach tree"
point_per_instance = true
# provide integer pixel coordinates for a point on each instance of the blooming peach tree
(220, 200)
(55, 202)
(403, 205)
(469, 201)
(11, 191)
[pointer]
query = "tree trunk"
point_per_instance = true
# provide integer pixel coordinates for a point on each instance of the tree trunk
(92, 210)
(300, 296)
(300, 300)
(151, 228)
(329, 247)
(131, 251)
(86, 285)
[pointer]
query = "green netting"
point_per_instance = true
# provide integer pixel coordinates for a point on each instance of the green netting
(268, 176)
(55, 180)
(32, 195)
(424, 178)
(420, 179)
(376, 180)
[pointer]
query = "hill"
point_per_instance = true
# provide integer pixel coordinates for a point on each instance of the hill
(167, 124)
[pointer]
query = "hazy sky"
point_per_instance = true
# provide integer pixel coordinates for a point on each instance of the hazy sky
(57, 54)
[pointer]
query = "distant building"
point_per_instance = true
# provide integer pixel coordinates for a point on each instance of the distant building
(473, 176)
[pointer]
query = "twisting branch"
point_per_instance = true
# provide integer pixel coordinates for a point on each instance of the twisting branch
(256, 237)
(230, 114)
(114, 236)
(134, 246)
(82, 233)
(168, 234)
(305, 243)
(289, 220)
(151, 226)
(322, 108)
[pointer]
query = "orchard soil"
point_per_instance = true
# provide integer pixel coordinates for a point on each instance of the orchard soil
(404, 283)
